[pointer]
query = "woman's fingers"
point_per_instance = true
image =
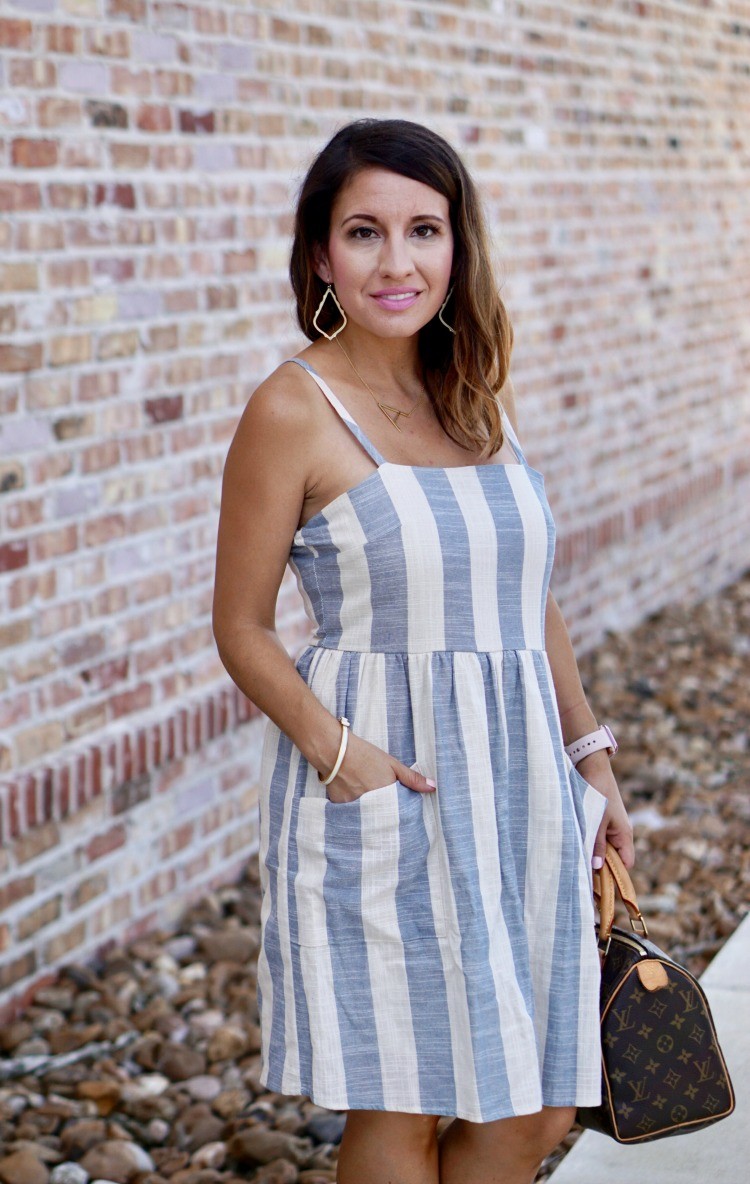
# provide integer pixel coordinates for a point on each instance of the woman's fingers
(621, 838)
(414, 780)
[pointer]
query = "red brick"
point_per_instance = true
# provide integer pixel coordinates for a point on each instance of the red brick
(131, 157)
(64, 943)
(240, 261)
(68, 273)
(19, 968)
(202, 122)
(14, 555)
(59, 112)
(114, 43)
(14, 890)
(132, 10)
(18, 358)
(19, 195)
(120, 194)
(37, 842)
(113, 913)
(107, 842)
(154, 118)
(164, 409)
(34, 154)
(64, 39)
(130, 82)
(88, 890)
(36, 919)
(15, 34)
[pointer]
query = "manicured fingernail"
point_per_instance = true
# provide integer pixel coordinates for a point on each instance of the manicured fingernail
(597, 862)
(431, 783)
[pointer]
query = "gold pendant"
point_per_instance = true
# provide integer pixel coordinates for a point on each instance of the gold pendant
(393, 414)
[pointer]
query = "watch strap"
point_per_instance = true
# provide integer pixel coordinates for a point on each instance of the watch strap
(592, 742)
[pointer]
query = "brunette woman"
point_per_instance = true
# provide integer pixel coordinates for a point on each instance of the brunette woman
(427, 833)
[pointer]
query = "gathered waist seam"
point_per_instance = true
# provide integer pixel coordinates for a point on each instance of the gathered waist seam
(336, 649)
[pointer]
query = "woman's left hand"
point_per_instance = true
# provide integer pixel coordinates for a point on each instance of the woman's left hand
(615, 826)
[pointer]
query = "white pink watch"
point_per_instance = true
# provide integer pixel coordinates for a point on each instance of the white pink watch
(592, 742)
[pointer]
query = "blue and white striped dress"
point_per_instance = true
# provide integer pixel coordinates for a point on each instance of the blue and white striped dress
(431, 953)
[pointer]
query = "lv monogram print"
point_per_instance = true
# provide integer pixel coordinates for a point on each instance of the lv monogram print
(663, 1072)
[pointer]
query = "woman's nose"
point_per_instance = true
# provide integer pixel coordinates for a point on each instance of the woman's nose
(395, 257)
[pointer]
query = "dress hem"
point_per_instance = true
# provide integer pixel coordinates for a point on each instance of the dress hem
(439, 1110)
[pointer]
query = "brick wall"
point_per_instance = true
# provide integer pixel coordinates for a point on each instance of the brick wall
(149, 152)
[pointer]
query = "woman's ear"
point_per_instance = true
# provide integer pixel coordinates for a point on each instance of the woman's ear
(320, 260)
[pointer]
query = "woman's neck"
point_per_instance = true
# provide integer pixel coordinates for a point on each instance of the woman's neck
(391, 361)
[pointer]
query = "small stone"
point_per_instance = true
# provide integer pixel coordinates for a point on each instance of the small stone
(117, 1160)
(231, 945)
(227, 1043)
(197, 1126)
(157, 1130)
(211, 1155)
(178, 1062)
(231, 1102)
(203, 1088)
(278, 1171)
(148, 1085)
(105, 1094)
(14, 1034)
(23, 1167)
(326, 1128)
(181, 947)
(69, 1173)
(81, 1134)
(258, 1145)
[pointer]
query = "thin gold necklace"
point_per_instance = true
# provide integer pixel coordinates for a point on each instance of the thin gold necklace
(391, 413)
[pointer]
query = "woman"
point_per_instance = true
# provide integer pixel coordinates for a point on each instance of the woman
(428, 942)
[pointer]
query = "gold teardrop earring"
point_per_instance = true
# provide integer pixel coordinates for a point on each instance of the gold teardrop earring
(441, 318)
(329, 336)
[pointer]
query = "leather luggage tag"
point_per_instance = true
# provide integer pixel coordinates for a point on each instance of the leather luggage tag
(653, 974)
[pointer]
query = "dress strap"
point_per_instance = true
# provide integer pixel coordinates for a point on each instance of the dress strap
(341, 410)
(508, 429)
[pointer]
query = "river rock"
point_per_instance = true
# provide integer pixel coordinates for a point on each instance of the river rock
(178, 1062)
(69, 1173)
(117, 1160)
(210, 1155)
(231, 945)
(23, 1167)
(258, 1144)
(81, 1134)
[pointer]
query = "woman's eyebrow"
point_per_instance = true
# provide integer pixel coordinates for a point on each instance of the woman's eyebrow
(372, 218)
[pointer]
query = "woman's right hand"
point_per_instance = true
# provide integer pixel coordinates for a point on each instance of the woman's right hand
(366, 767)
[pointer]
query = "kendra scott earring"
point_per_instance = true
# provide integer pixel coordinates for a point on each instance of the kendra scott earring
(441, 318)
(330, 336)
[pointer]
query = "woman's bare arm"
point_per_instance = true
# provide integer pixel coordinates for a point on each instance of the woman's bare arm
(263, 491)
(267, 474)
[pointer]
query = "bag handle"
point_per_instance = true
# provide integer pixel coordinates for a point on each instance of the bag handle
(613, 878)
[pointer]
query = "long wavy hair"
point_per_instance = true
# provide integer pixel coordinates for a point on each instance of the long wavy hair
(463, 373)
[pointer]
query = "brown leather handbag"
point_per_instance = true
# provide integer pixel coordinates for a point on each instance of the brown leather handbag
(663, 1072)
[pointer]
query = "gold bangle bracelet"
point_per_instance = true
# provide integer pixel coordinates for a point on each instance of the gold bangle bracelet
(345, 725)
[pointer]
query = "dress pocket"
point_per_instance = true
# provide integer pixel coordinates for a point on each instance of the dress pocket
(590, 804)
(366, 870)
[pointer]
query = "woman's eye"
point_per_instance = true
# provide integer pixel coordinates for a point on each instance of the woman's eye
(425, 230)
(362, 232)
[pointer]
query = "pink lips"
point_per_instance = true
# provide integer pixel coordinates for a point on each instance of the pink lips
(395, 299)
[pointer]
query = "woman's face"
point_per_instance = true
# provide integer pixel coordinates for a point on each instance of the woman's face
(390, 252)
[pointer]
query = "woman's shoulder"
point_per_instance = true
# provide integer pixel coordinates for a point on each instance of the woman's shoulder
(284, 400)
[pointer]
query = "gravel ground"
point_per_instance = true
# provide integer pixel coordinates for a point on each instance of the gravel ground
(143, 1068)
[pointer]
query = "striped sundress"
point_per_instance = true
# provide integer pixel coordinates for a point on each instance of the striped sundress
(431, 953)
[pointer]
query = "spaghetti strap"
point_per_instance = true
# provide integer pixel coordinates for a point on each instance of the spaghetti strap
(341, 411)
(508, 429)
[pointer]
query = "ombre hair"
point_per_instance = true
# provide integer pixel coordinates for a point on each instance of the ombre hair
(465, 372)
